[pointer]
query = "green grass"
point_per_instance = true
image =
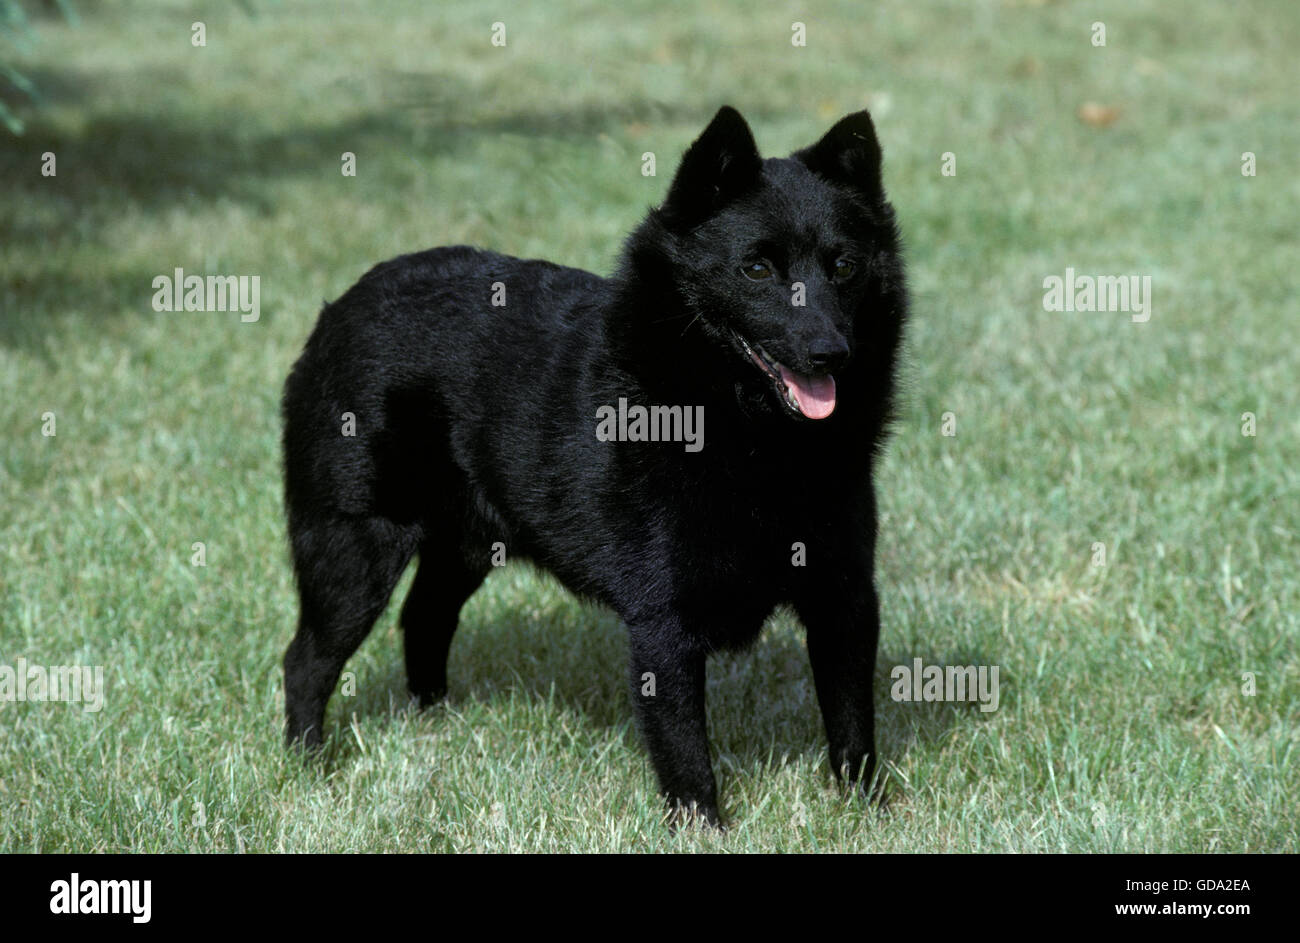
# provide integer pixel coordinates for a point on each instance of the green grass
(1122, 726)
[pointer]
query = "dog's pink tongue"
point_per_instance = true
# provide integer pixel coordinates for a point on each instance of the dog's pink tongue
(815, 395)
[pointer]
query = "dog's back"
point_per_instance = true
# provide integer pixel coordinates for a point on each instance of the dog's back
(410, 371)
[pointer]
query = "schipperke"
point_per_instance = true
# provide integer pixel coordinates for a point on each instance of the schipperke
(690, 442)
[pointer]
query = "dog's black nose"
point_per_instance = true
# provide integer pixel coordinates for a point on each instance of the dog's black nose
(828, 354)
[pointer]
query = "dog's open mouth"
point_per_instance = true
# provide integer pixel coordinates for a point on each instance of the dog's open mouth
(812, 397)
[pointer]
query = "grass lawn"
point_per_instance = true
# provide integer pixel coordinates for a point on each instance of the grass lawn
(1123, 725)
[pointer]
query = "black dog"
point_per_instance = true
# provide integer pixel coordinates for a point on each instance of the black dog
(457, 403)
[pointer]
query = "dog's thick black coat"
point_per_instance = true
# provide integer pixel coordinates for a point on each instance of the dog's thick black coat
(473, 424)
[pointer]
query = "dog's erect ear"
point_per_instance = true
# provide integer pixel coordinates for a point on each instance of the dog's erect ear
(721, 164)
(849, 154)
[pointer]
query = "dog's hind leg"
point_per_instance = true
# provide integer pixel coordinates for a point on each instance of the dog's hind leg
(346, 569)
(430, 614)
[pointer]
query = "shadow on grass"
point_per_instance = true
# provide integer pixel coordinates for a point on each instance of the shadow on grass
(763, 710)
(33, 302)
(125, 159)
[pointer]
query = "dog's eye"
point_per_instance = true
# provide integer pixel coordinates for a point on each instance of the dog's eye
(844, 268)
(757, 271)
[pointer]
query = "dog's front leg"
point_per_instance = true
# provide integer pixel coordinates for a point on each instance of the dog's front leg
(668, 689)
(842, 637)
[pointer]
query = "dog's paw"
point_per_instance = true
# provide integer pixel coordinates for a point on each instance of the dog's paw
(693, 815)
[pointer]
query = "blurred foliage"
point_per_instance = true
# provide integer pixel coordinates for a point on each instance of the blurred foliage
(17, 35)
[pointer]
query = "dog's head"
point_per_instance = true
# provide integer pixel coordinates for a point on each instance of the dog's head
(789, 266)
